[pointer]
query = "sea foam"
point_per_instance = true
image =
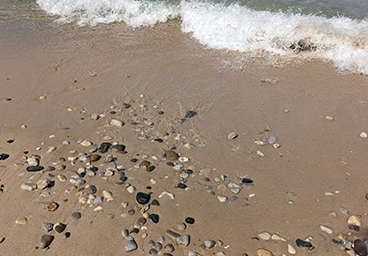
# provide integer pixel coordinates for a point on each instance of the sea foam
(341, 40)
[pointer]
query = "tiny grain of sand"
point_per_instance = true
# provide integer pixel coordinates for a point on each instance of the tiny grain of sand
(55, 77)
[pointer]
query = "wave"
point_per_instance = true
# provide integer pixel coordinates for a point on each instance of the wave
(339, 39)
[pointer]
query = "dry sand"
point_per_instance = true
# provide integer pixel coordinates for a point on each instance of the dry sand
(94, 70)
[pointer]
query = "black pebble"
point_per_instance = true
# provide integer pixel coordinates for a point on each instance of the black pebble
(134, 231)
(190, 114)
(34, 168)
(189, 171)
(159, 140)
(155, 202)
(182, 185)
(160, 112)
(143, 198)
(301, 243)
(4, 156)
(112, 112)
(67, 234)
(354, 227)
(149, 187)
(133, 160)
(104, 147)
(189, 220)
(150, 168)
(154, 217)
(170, 164)
(246, 180)
(10, 141)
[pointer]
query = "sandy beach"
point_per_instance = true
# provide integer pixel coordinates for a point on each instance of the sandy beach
(299, 140)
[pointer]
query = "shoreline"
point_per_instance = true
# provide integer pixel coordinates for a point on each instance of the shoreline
(56, 76)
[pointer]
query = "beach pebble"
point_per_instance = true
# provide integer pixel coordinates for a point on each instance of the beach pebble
(2, 239)
(61, 177)
(264, 236)
(209, 243)
(260, 153)
(52, 206)
(28, 186)
(301, 243)
(326, 229)
(329, 118)
(34, 168)
(222, 198)
(363, 135)
(354, 220)
(142, 198)
(360, 248)
(189, 220)
(183, 159)
(184, 240)
(194, 253)
(235, 190)
(263, 252)
(108, 195)
(180, 226)
(47, 226)
(141, 221)
(76, 215)
(117, 123)
(260, 143)
(45, 241)
(66, 142)
(98, 208)
(171, 155)
(59, 227)
(291, 249)
(272, 140)
(171, 234)
(344, 210)
(232, 135)
(86, 143)
(21, 221)
(33, 161)
(131, 245)
(277, 237)
(152, 251)
(42, 184)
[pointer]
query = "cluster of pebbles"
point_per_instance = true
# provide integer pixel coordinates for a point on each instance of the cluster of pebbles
(100, 161)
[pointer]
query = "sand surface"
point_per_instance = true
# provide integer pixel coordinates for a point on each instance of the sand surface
(54, 77)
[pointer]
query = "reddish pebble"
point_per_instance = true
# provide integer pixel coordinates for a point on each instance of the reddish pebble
(360, 248)
(141, 221)
(206, 179)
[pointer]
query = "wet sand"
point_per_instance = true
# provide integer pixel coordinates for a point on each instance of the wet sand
(82, 71)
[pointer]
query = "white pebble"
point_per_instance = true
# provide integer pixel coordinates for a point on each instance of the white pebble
(171, 195)
(330, 118)
(326, 229)
(66, 142)
(363, 135)
(260, 153)
(131, 189)
(291, 249)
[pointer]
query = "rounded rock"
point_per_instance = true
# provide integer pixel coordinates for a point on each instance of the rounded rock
(47, 226)
(76, 215)
(232, 135)
(131, 245)
(189, 220)
(45, 241)
(354, 220)
(142, 198)
(209, 243)
(59, 227)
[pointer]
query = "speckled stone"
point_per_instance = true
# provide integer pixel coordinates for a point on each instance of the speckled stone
(47, 226)
(45, 241)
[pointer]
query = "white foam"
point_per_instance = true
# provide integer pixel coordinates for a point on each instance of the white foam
(338, 39)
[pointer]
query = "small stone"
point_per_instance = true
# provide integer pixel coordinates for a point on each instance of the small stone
(51, 149)
(235, 190)
(180, 226)
(28, 186)
(152, 251)
(34, 168)
(131, 245)
(363, 135)
(108, 195)
(141, 221)
(291, 249)
(95, 158)
(131, 189)
(189, 220)
(61, 177)
(354, 220)
(277, 237)
(118, 123)
(209, 243)
(3, 156)
(95, 117)
(104, 147)
(184, 240)
(33, 161)
(183, 159)
(131, 212)
(360, 248)
(263, 252)
(232, 135)
(272, 140)
(76, 215)
(264, 236)
(327, 229)
(142, 198)
(66, 142)
(42, 184)
(47, 226)
(344, 210)
(98, 208)
(155, 202)
(222, 199)
(172, 234)
(169, 248)
(171, 155)
(21, 221)
(194, 253)
(45, 241)
(52, 206)
(171, 195)
(86, 143)
(154, 217)
(354, 227)
(329, 118)
(59, 227)
(190, 114)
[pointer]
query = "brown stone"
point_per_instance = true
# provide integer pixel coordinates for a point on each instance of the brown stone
(171, 155)
(95, 157)
(141, 221)
(52, 207)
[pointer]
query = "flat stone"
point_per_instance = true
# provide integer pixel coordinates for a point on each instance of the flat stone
(153, 251)
(277, 237)
(171, 155)
(194, 253)
(42, 184)
(205, 172)
(209, 243)
(291, 249)
(86, 143)
(61, 178)
(184, 240)
(34, 168)
(190, 114)
(91, 189)
(154, 217)
(263, 252)
(3, 156)
(180, 226)
(131, 189)
(189, 220)
(76, 215)
(301, 243)
(354, 220)
(108, 195)
(272, 140)
(264, 236)
(45, 241)
(95, 158)
(115, 122)
(131, 245)
(232, 135)
(327, 229)
(52, 206)
(222, 199)
(28, 186)
(141, 221)
(21, 221)
(46, 226)
(171, 234)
